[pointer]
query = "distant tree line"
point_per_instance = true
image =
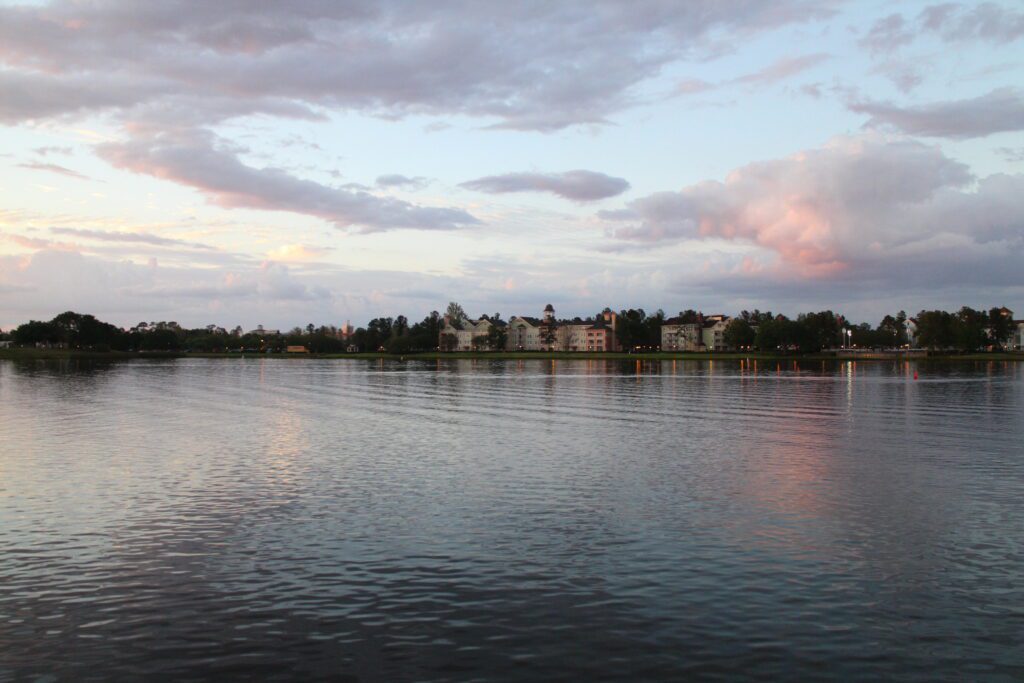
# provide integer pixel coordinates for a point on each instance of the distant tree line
(82, 331)
(965, 330)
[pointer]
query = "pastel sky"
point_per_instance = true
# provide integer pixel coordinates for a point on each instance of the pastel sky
(282, 163)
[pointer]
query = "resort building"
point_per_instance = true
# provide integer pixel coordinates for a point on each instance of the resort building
(700, 333)
(910, 330)
(550, 334)
(466, 334)
(713, 333)
(677, 335)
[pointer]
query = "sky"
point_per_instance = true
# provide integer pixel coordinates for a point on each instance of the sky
(244, 163)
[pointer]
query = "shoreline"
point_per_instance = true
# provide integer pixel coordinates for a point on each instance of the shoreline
(65, 354)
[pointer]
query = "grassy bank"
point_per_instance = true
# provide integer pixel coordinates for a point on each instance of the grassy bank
(65, 354)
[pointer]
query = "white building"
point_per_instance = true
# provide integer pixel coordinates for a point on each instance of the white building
(713, 333)
(910, 331)
(550, 334)
(465, 334)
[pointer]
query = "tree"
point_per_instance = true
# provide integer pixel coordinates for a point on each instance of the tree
(688, 317)
(935, 330)
(1000, 328)
(636, 329)
(448, 341)
(161, 339)
(497, 336)
(739, 334)
(36, 332)
(969, 329)
(424, 334)
(756, 317)
(399, 345)
(891, 330)
(821, 330)
(455, 312)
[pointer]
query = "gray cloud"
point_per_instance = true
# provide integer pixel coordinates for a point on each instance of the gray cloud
(578, 185)
(888, 33)
(53, 168)
(986, 21)
(775, 72)
(51, 149)
(397, 180)
(782, 69)
(193, 158)
(1014, 154)
(999, 111)
(527, 65)
(170, 72)
(133, 237)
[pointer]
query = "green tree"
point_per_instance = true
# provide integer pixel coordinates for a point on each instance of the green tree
(739, 334)
(969, 328)
(497, 336)
(160, 339)
(1000, 328)
(820, 330)
(455, 312)
(935, 330)
(688, 317)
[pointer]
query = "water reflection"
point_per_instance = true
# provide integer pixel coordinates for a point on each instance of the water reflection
(472, 519)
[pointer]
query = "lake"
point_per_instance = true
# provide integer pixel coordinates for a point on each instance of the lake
(511, 520)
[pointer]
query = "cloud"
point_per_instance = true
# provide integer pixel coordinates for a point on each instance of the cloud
(857, 205)
(775, 72)
(297, 252)
(904, 76)
(51, 149)
(579, 185)
(951, 22)
(396, 180)
(888, 34)
(1013, 154)
(781, 69)
(986, 21)
(193, 158)
(54, 168)
(694, 86)
(123, 291)
(527, 66)
(132, 237)
(999, 111)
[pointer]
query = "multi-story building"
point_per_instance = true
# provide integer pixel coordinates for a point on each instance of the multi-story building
(910, 332)
(713, 332)
(550, 334)
(703, 333)
(677, 335)
(523, 334)
(465, 334)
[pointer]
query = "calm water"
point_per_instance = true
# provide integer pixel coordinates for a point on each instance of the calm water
(350, 520)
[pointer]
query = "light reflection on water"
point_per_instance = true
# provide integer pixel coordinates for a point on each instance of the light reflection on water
(481, 520)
